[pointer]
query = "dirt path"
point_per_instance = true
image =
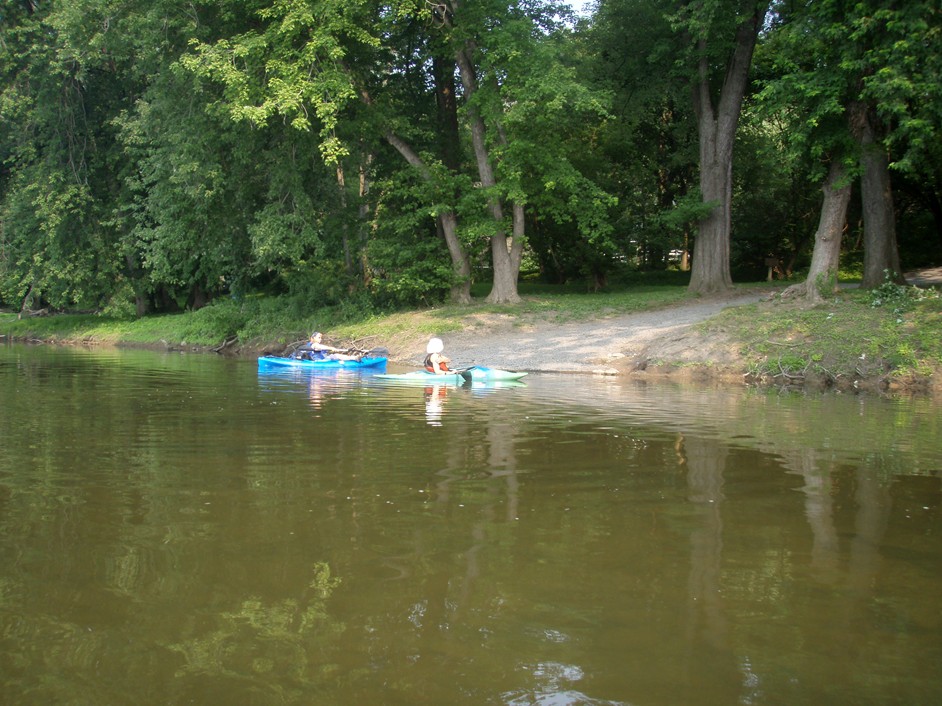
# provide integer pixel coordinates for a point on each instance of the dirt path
(603, 346)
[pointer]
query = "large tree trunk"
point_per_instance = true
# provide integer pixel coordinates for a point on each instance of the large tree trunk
(447, 103)
(450, 141)
(507, 262)
(717, 133)
(141, 302)
(710, 272)
(363, 212)
(461, 289)
(447, 223)
(347, 248)
(198, 297)
(822, 275)
(881, 254)
(505, 252)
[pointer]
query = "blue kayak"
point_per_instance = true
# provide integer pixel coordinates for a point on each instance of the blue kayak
(272, 362)
(476, 374)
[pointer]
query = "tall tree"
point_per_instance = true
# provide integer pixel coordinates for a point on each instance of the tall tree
(512, 78)
(506, 248)
(723, 35)
(858, 82)
(825, 258)
(309, 63)
(61, 85)
(803, 89)
(892, 64)
(881, 251)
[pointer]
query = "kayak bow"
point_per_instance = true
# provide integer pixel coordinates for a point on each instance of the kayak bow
(475, 374)
(480, 372)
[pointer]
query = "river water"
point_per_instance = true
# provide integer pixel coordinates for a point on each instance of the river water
(180, 529)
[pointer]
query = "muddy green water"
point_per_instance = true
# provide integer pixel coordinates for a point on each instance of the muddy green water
(181, 529)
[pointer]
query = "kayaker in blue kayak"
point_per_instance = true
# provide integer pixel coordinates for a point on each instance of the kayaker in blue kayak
(315, 349)
(435, 360)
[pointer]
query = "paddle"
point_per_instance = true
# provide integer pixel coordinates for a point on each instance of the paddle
(465, 372)
(371, 353)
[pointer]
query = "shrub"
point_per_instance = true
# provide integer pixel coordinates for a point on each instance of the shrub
(901, 298)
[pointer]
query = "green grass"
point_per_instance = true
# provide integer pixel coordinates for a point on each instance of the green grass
(259, 319)
(857, 333)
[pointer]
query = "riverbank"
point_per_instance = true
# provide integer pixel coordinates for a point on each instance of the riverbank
(886, 341)
(748, 337)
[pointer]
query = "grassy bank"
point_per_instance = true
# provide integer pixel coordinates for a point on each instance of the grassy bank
(892, 333)
(891, 336)
(270, 323)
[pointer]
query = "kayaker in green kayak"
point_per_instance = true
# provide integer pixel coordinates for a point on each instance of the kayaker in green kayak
(435, 360)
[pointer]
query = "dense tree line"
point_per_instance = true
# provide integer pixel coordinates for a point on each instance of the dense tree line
(157, 154)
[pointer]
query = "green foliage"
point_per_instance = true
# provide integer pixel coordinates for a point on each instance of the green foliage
(292, 65)
(414, 276)
(408, 261)
(898, 297)
(315, 284)
(55, 149)
(823, 61)
(645, 154)
(154, 159)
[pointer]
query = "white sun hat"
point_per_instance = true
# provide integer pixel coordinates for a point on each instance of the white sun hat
(435, 345)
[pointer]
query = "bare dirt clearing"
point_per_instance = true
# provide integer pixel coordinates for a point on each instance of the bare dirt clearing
(609, 345)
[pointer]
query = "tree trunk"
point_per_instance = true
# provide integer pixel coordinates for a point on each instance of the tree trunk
(447, 105)
(141, 302)
(710, 272)
(363, 213)
(717, 134)
(822, 275)
(443, 72)
(27, 302)
(881, 253)
(448, 224)
(198, 297)
(345, 236)
(506, 258)
(461, 289)
(934, 205)
(505, 252)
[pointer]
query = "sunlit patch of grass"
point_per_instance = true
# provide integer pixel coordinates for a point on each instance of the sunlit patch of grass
(845, 336)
